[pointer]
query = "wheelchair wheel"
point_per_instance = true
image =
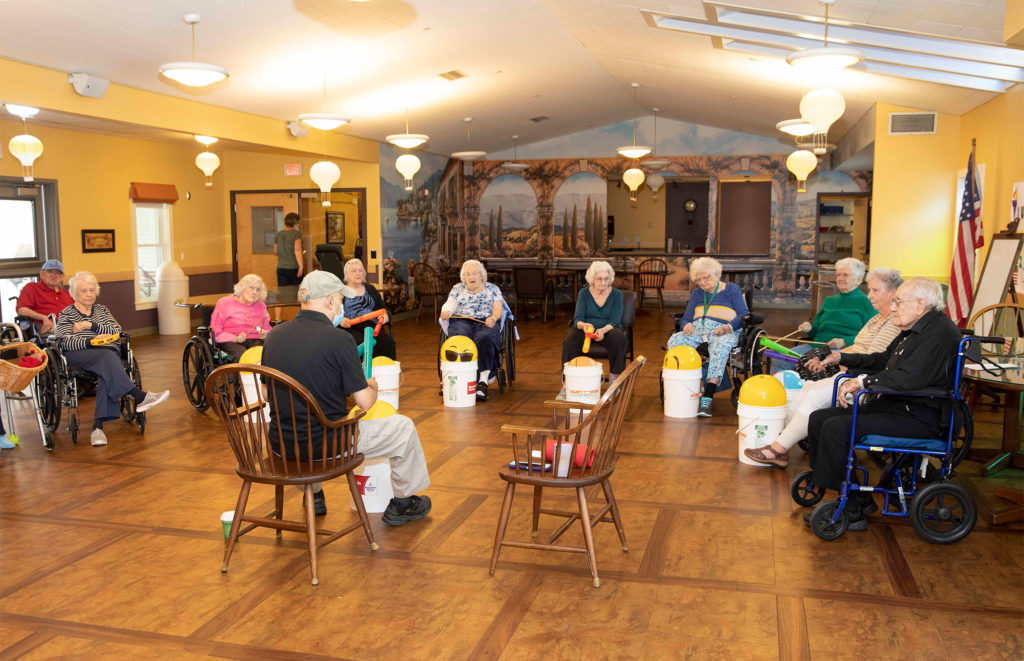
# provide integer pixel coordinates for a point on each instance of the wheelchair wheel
(50, 392)
(943, 513)
(804, 491)
(962, 441)
(734, 396)
(196, 365)
(821, 521)
(73, 427)
(48, 441)
(127, 404)
(140, 422)
(510, 353)
(755, 354)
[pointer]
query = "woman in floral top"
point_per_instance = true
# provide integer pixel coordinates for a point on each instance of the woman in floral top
(473, 309)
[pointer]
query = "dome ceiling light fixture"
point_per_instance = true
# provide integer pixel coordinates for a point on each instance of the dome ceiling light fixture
(325, 121)
(194, 73)
(797, 128)
(469, 154)
(206, 140)
(825, 60)
(514, 165)
(654, 163)
(21, 111)
(407, 140)
(634, 151)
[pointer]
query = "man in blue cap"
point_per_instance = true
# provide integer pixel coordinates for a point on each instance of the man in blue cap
(40, 299)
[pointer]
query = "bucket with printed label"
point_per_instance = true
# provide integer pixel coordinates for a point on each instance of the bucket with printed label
(582, 380)
(374, 480)
(388, 374)
(762, 414)
(458, 384)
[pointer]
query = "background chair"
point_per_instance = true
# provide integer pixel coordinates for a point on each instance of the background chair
(651, 274)
(530, 284)
(428, 285)
(331, 259)
(582, 455)
(308, 459)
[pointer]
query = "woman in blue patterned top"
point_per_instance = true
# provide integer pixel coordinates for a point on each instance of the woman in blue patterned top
(714, 315)
(473, 309)
(366, 299)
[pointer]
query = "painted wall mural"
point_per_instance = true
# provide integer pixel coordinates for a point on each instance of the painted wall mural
(580, 226)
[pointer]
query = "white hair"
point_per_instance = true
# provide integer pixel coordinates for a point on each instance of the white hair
(857, 267)
(708, 265)
(593, 269)
(885, 276)
(350, 263)
(470, 264)
(927, 290)
(82, 277)
(251, 279)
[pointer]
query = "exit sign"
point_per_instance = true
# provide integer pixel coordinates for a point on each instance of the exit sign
(293, 169)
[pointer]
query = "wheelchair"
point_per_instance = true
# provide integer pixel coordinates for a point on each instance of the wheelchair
(60, 386)
(941, 511)
(200, 358)
(506, 372)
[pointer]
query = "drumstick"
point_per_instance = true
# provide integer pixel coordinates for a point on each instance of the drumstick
(459, 316)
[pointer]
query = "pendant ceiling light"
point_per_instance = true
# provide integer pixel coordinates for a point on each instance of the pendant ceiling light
(655, 182)
(194, 74)
(325, 121)
(634, 179)
(654, 163)
(26, 148)
(514, 165)
(822, 107)
(801, 163)
(408, 165)
(827, 59)
(635, 150)
(407, 140)
(208, 162)
(324, 174)
(469, 154)
(796, 127)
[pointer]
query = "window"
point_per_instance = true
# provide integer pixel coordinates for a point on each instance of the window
(30, 235)
(152, 226)
(266, 223)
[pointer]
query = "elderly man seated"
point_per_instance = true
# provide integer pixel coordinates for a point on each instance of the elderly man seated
(324, 359)
(40, 299)
(917, 360)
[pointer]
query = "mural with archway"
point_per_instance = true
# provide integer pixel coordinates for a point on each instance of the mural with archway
(508, 219)
(580, 228)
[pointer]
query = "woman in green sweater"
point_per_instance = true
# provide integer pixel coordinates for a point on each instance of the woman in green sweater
(599, 305)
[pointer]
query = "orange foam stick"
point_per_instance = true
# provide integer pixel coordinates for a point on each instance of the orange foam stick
(368, 316)
(588, 330)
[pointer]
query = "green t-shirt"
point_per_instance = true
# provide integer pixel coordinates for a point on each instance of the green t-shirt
(285, 240)
(842, 315)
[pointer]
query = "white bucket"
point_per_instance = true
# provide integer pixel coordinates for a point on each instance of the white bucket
(583, 384)
(253, 394)
(682, 392)
(458, 384)
(389, 378)
(792, 402)
(759, 425)
(374, 479)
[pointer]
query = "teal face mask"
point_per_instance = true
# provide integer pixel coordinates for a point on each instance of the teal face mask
(338, 317)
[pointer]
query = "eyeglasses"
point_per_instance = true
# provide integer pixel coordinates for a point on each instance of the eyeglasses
(703, 277)
(896, 301)
(453, 356)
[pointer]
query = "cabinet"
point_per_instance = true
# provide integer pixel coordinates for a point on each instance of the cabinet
(839, 219)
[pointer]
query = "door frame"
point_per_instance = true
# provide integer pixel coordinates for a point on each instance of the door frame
(817, 220)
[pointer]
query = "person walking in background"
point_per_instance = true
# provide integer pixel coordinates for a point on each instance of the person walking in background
(288, 248)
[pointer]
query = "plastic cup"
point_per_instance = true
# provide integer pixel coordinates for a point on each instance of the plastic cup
(225, 521)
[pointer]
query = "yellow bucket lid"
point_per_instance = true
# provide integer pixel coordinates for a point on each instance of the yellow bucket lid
(252, 356)
(459, 345)
(682, 358)
(380, 409)
(762, 390)
(382, 360)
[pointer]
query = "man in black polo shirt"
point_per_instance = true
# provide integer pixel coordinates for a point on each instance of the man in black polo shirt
(324, 359)
(917, 360)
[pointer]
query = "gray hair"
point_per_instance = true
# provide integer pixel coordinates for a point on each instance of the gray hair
(79, 278)
(928, 291)
(594, 267)
(251, 279)
(349, 263)
(885, 276)
(708, 265)
(470, 264)
(857, 267)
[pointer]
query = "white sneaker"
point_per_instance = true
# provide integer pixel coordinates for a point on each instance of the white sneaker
(152, 399)
(98, 437)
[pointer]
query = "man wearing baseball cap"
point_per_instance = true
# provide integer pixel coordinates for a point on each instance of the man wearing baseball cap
(48, 296)
(324, 359)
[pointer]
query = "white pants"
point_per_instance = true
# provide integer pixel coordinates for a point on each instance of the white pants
(813, 396)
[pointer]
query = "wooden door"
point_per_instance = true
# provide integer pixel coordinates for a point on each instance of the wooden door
(260, 213)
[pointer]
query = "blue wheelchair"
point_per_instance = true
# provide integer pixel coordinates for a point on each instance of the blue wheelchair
(940, 511)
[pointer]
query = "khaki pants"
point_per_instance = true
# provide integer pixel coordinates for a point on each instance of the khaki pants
(395, 437)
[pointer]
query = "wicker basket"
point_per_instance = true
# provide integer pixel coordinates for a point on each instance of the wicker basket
(14, 378)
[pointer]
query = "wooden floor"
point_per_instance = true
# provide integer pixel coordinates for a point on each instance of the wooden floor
(115, 552)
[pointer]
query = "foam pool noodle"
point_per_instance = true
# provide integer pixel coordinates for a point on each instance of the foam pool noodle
(765, 342)
(588, 330)
(366, 351)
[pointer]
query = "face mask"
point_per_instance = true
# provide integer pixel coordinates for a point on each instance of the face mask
(338, 317)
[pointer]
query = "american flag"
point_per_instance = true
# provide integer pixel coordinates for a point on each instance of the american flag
(969, 237)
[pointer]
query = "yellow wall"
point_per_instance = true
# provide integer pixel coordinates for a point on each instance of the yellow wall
(645, 220)
(913, 208)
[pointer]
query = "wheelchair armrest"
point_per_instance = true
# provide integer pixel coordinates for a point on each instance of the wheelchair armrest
(753, 319)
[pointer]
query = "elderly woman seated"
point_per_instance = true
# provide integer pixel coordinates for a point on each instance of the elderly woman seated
(876, 335)
(241, 320)
(713, 315)
(364, 298)
(474, 308)
(599, 305)
(80, 323)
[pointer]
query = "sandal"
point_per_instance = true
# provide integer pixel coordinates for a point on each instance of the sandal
(766, 455)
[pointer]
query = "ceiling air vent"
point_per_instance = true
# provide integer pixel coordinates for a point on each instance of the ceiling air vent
(454, 74)
(912, 123)
(539, 118)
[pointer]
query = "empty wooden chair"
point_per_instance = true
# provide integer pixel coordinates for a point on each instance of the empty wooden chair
(651, 274)
(429, 284)
(570, 455)
(319, 450)
(531, 284)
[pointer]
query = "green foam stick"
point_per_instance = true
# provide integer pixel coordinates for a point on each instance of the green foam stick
(775, 346)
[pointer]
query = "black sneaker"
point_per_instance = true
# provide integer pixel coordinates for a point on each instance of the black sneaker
(395, 515)
(481, 391)
(319, 503)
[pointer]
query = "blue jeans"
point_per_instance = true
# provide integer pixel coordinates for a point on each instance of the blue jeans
(487, 341)
(112, 382)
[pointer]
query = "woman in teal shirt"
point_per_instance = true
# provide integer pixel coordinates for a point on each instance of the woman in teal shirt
(599, 305)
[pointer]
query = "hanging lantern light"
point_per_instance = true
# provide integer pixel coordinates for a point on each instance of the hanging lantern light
(208, 162)
(324, 174)
(655, 182)
(408, 165)
(634, 150)
(822, 107)
(26, 148)
(801, 163)
(634, 178)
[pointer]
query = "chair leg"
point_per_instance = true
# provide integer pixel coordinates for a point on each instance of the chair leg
(537, 491)
(661, 301)
(499, 536)
(353, 488)
(311, 532)
(279, 505)
(588, 534)
(236, 525)
(419, 308)
(606, 486)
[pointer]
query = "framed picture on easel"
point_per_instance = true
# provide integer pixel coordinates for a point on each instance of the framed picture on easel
(996, 281)
(335, 226)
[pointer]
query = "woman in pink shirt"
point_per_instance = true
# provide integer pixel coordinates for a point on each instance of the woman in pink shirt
(241, 321)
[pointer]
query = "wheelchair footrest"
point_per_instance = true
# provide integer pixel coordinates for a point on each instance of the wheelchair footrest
(896, 443)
